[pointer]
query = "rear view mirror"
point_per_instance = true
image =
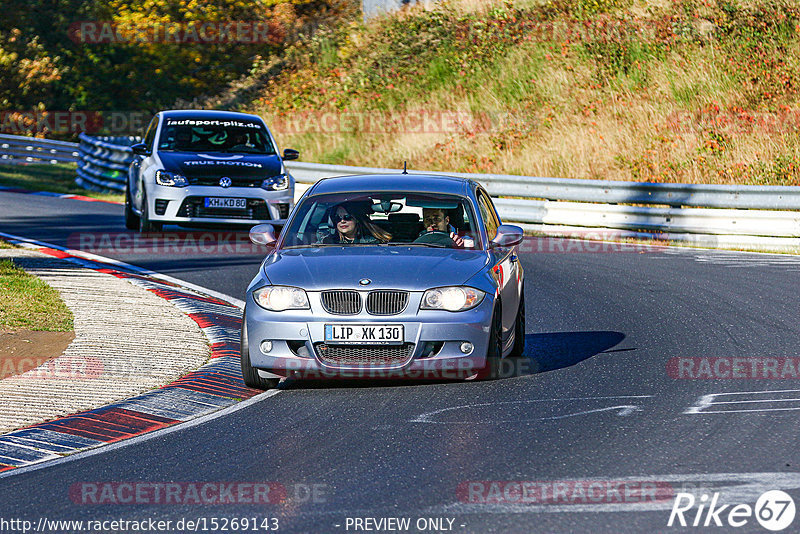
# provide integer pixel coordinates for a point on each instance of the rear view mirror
(140, 149)
(263, 234)
(290, 154)
(508, 235)
(386, 206)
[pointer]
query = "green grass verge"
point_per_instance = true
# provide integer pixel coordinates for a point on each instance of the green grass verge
(28, 302)
(54, 178)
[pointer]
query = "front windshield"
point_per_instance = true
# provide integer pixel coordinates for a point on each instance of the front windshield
(417, 219)
(210, 135)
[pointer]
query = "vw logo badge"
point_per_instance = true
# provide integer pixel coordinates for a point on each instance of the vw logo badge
(225, 181)
(365, 281)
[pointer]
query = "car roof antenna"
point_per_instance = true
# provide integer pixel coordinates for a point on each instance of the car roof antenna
(405, 170)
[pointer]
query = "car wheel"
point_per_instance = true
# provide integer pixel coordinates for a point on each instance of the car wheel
(145, 224)
(519, 330)
(249, 373)
(131, 219)
(494, 352)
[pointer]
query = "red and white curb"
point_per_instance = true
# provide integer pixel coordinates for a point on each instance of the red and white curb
(213, 387)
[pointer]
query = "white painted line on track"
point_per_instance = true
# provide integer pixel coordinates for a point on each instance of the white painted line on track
(127, 267)
(705, 402)
(104, 448)
(624, 410)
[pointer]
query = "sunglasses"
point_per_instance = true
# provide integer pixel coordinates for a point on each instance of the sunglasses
(337, 218)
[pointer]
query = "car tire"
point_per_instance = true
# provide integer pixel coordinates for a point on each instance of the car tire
(249, 373)
(519, 330)
(494, 351)
(145, 224)
(131, 219)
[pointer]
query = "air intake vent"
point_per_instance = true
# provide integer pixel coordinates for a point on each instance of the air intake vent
(341, 302)
(386, 302)
(364, 355)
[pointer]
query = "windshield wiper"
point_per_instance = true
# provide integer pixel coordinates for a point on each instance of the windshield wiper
(434, 245)
(243, 152)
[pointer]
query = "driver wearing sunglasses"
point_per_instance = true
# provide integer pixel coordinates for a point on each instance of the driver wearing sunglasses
(353, 227)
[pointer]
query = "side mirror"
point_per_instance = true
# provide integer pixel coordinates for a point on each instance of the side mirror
(263, 234)
(508, 235)
(290, 154)
(140, 149)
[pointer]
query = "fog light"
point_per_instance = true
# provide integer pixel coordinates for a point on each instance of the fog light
(266, 346)
(466, 347)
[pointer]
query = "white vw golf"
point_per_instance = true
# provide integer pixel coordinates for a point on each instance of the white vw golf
(198, 168)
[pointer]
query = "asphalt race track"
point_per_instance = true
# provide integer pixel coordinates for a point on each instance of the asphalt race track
(618, 390)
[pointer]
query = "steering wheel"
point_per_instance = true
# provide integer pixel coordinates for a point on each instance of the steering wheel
(435, 236)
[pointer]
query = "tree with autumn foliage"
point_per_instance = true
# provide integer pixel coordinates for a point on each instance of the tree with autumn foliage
(47, 63)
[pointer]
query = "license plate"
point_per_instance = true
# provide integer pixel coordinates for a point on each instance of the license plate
(227, 203)
(383, 334)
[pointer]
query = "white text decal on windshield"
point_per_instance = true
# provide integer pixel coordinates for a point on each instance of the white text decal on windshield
(203, 122)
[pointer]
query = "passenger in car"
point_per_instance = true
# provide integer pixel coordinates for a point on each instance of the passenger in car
(353, 226)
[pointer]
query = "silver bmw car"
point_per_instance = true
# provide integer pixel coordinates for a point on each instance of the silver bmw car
(385, 276)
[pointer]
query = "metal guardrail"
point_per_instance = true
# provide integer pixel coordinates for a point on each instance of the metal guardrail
(104, 162)
(758, 212)
(680, 208)
(610, 192)
(17, 149)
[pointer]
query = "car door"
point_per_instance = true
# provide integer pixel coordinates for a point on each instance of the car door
(506, 264)
(140, 164)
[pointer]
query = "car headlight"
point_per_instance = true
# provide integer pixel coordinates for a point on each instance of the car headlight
(276, 183)
(455, 298)
(170, 179)
(280, 298)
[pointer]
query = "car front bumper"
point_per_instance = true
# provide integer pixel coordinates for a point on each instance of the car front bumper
(181, 205)
(433, 338)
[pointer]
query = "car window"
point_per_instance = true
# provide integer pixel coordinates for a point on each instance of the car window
(150, 136)
(488, 214)
(202, 135)
(390, 218)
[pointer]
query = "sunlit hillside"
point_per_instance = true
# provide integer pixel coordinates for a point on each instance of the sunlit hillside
(668, 91)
